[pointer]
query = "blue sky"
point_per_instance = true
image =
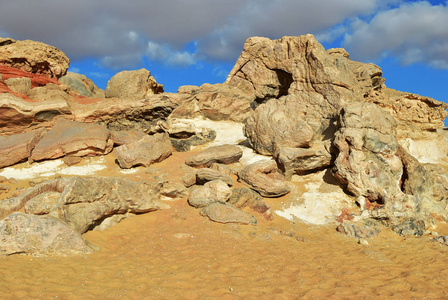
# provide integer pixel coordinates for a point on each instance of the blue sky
(193, 42)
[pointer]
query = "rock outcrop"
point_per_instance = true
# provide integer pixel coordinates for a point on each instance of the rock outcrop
(17, 148)
(134, 85)
(34, 57)
(81, 85)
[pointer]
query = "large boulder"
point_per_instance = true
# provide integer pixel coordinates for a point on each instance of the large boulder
(74, 139)
(34, 57)
(138, 84)
(215, 102)
(17, 147)
(40, 235)
(263, 177)
(81, 85)
(144, 152)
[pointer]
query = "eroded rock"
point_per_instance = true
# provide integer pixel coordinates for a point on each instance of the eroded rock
(263, 177)
(17, 147)
(227, 213)
(144, 152)
(225, 154)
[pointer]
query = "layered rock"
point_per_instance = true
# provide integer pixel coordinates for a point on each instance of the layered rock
(215, 102)
(224, 154)
(74, 139)
(34, 57)
(134, 85)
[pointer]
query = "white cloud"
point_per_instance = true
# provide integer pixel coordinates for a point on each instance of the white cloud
(413, 33)
(166, 55)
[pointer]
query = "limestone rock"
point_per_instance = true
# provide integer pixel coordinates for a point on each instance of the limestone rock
(200, 137)
(243, 197)
(40, 235)
(81, 85)
(148, 115)
(225, 154)
(263, 177)
(50, 91)
(302, 160)
(205, 175)
(136, 85)
(212, 191)
(227, 213)
(126, 136)
(392, 185)
(34, 57)
(19, 85)
(17, 115)
(73, 138)
(144, 152)
(17, 148)
(173, 190)
(215, 102)
(84, 202)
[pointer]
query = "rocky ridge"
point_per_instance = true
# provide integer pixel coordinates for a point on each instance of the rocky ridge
(314, 111)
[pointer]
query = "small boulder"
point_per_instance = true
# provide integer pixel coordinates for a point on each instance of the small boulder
(144, 152)
(243, 197)
(213, 191)
(225, 154)
(81, 85)
(206, 175)
(126, 136)
(227, 213)
(263, 177)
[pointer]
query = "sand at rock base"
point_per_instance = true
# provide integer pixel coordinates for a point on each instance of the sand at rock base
(177, 254)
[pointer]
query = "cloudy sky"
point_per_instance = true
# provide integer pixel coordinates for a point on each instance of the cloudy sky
(197, 41)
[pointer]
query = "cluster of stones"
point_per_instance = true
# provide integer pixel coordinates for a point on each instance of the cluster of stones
(309, 108)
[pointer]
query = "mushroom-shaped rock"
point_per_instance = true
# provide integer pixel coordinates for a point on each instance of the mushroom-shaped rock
(227, 213)
(224, 154)
(144, 152)
(263, 177)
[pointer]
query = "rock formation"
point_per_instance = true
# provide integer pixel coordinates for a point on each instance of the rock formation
(309, 108)
(134, 85)
(34, 57)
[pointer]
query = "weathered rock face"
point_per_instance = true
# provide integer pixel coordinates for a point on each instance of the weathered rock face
(34, 57)
(135, 85)
(84, 202)
(210, 192)
(50, 91)
(205, 175)
(16, 148)
(73, 138)
(224, 154)
(390, 183)
(144, 152)
(81, 85)
(215, 102)
(263, 177)
(40, 235)
(298, 89)
(17, 115)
